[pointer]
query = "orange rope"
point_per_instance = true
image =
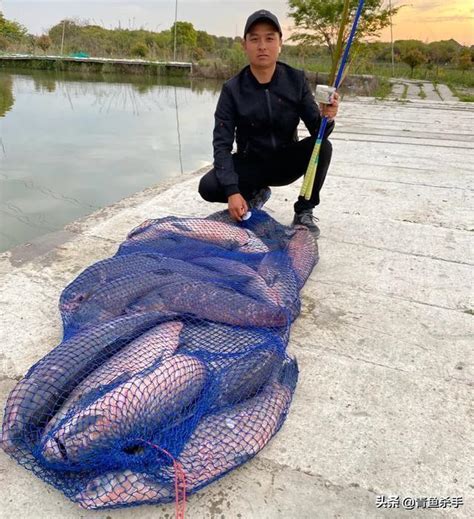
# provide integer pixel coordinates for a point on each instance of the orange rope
(179, 482)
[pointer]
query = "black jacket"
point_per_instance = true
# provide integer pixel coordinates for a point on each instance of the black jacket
(262, 118)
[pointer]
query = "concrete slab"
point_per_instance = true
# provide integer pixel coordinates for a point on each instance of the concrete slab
(413, 91)
(446, 94)
(397, 90)
(365, 326)
(384, 341)
(431, 92)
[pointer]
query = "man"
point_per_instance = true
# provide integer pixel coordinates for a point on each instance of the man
(261, 108)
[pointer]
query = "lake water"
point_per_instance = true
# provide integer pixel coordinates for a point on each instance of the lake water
(70, 145)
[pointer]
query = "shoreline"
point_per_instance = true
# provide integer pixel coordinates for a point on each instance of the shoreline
(361, 84)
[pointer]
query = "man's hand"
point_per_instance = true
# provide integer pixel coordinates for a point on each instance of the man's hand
(330, 111)
(237, 206)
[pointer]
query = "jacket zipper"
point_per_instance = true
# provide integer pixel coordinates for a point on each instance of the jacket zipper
(267, 95)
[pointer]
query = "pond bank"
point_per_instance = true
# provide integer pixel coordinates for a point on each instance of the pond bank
(363, 85)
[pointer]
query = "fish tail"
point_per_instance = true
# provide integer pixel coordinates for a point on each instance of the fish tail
(288, 373)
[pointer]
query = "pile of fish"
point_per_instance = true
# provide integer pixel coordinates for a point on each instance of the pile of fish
(173, 356)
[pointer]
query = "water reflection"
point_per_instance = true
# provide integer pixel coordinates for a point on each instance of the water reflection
(6, 94)
(45, 84)
(74, 144)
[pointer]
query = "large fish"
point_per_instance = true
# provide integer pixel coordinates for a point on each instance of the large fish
(224, 234)
(210, 340)
(255, 285)
(47, 384)
(272, 233)
(112, 299)
(240, 360)
(221, 442)
(241, 377)
(136, 406)
(158, 343)
(114, 489)
(102, 272)
(213, 302)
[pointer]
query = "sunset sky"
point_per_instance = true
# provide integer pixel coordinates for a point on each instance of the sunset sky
(426, 20)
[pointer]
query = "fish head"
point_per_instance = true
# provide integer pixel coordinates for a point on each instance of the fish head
(73, 436)
(72, 299)
(88, 313)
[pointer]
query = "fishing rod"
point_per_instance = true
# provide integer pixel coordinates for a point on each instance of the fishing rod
(310, 175)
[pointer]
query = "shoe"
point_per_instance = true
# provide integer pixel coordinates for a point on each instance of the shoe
(307, 219)
(260, 198)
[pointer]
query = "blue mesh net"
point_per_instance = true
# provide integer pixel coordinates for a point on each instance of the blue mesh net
(173, 365)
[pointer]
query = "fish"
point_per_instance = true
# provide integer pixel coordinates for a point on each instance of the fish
(111, 299)
(157, 343)
(211, 340)
(102, 272)
(213, 302)
(303, 252)
(141, 403)
(254, 286)
(233, 435)
(36, 397)
(223, 234)
(240, 360)
(123, 488)
(222, 441)
(270, 231)
(241, 377)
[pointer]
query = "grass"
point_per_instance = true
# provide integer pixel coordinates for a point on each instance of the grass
(435, 87)
(466, 97)
(383, 90)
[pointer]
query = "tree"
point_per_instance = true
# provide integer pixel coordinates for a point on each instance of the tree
(3, 43)
(139, 50)
(465, 60)
(12, 31)
(44, 42)
(186, 36)
(413, 58)
(318, 21)
(442, 52)
(205, 41)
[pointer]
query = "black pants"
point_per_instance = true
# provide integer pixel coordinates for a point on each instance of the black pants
(283, 168)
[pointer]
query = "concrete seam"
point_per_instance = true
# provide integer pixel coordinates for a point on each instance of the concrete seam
(393, 296)
(416, 184)
(414, 254)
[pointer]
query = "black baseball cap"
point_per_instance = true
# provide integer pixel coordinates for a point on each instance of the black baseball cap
(262, 15)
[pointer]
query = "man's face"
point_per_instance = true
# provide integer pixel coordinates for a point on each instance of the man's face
(262, 45)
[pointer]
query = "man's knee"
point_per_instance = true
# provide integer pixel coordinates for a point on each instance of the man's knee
(209, 187)
(203, 188)
(325, 153)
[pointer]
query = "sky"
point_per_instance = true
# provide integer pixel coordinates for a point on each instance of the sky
(425, 20)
